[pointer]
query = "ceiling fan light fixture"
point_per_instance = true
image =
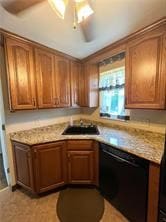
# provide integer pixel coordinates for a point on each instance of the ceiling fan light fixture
(83, 9)
(59, 6)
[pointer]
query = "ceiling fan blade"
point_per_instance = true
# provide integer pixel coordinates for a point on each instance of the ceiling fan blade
(16, 6)
(59, 6)
(87, 27)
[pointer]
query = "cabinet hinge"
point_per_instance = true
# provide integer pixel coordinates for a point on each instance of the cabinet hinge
(8, 170)
(3, 127)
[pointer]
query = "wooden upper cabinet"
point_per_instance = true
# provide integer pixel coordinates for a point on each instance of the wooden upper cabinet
(93, 80)
(89, 85)
(76, 71)
(50, 166)
(82, 93)
(145, 72)
(62, 81)
(44, 67)
(20, 65)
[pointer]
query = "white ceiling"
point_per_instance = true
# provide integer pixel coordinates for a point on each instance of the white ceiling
(113, 20)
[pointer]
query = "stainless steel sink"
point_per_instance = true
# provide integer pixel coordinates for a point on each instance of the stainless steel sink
(78, 130)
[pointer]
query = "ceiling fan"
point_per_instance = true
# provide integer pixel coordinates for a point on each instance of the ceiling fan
(82, 12)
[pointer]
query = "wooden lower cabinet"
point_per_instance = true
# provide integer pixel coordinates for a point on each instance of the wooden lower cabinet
(23, 165)
(82, 162)
(153, 192)
(49, 166)
(44, 167)
(41, 168)
(81, 167)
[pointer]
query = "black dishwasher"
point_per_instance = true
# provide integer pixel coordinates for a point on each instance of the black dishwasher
(123, 180)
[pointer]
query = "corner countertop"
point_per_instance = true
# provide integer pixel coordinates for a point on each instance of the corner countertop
(147, 145)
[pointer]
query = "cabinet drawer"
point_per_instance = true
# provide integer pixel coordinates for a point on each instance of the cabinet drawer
(49, 145)
(80, 145)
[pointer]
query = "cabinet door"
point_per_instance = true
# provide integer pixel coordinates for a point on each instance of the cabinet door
(50, 166)
(44, 63)
(88, 85)
(93, 80)
(23, 165)
(81, 167)
(145, 75)
(83, 89)
(19, 56)
(62, 81)
(75, 75)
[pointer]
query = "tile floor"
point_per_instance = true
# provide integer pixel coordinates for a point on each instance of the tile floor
(20, 206)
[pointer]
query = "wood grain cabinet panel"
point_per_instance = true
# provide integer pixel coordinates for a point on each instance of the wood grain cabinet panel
(145, 73)
(82, 96)
(44, 67)
(83, 162)
(93, 83)
(76, 71)
(21, 81)
(80, 145)
(89, 85)
(153, 192)
(41, 168)
(62, 81)
(50, 166)
(81, 167)
(23, 165)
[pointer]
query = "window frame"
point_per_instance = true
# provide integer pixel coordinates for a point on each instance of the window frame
(108, 115)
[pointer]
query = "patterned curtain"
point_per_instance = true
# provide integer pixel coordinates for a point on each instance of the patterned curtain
(111, 86)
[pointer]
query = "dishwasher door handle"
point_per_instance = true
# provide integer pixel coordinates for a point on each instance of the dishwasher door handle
(120, 159)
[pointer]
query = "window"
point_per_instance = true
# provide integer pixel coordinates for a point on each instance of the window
(111, 85)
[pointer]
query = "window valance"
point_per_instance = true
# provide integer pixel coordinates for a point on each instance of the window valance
(112, 79)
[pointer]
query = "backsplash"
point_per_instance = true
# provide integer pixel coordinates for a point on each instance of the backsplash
(151, 120)
(36, 118)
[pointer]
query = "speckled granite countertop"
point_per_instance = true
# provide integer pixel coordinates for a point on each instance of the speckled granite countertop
(144, 144)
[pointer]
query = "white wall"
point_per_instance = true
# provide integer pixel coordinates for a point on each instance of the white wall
(3, 143)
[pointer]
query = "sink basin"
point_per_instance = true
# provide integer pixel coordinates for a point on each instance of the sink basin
(78, 130)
